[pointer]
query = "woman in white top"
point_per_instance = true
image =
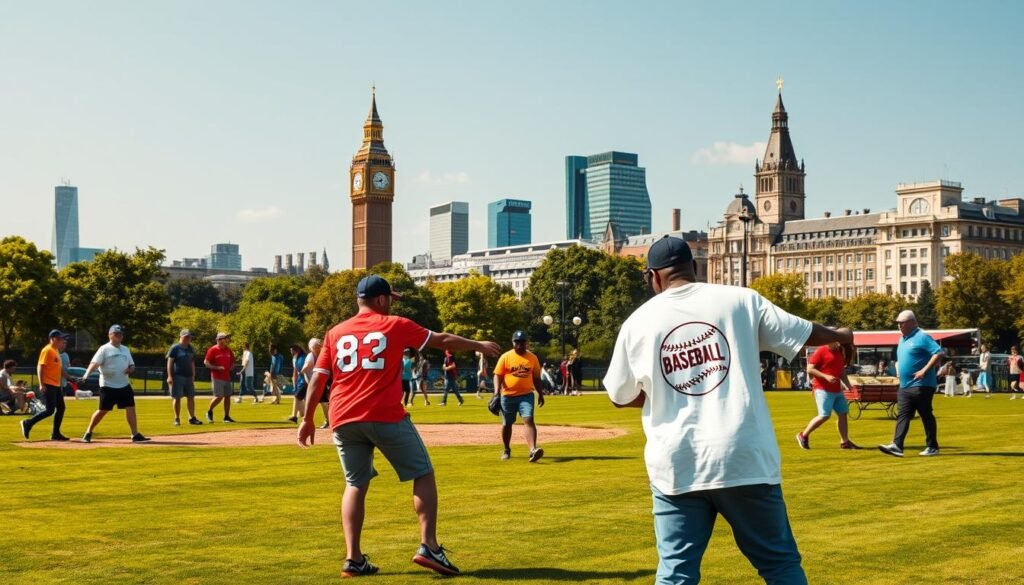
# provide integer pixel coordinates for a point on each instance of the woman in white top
(984, 378)
(950, 374)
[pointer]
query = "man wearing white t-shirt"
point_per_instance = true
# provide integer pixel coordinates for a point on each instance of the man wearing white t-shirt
(247, 375)
(115, 364)
(689, 358)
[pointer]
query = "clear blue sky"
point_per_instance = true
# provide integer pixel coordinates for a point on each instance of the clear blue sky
(189, 123)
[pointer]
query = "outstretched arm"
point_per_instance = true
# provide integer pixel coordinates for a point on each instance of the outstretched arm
(822, 335)
(458, 343)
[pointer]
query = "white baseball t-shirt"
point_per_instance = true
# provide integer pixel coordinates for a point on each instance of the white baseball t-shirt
(694, 351)
(112, 362)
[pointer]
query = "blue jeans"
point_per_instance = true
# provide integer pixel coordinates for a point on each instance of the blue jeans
(757, 515)
(451, 385)
(245, 385)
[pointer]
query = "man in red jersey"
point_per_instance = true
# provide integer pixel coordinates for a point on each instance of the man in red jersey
(827, 370)
(364, 355)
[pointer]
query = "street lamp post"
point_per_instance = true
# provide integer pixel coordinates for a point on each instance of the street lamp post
(745, 218)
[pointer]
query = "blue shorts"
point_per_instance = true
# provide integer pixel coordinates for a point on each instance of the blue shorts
(829, 401)
(513, 405)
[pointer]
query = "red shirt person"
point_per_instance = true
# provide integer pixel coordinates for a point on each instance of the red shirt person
(220, 359)
(827, 369)
(363, 356)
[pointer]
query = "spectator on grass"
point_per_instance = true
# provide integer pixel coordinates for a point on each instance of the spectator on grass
(827, 370)
(516, 378)
(366, 415)
(984, 375)
(315, 345)
(181, 377)
(689, 358)
(948, 373)
(298, 382)
(11, 395)
(247, 375)
(451, 379)
(1016, 364)
(916, 357)
(65, 364)
(408, 380)
(273, 375)
(115, 363)
(481, 373)
(547, 378)
(965, 382)
(220, 359)
(423, 366)
(49, 372)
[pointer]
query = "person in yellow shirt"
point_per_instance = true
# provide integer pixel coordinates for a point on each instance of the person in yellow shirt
(50, 371)
(516, 377)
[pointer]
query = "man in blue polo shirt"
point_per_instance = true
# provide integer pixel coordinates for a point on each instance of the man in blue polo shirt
(916, 357)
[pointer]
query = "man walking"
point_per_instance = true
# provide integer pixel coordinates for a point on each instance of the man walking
(245, 377)
(49, 371)
(917, 354)
(181, 377)
(315, 347)
(273, 375)
(115, 364)
(516, 377)
(827, 369)
(689, 358)
(451, 379)
(220, 359)
(364, 356)
(481, 373)
(984, 374)
(1016, 364)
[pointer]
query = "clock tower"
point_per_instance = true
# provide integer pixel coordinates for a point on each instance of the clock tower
(372, 188)
(779, 178)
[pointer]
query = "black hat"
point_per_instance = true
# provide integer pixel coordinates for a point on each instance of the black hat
(668, 251)
(55, 333)
(520, 336)
(374, 286)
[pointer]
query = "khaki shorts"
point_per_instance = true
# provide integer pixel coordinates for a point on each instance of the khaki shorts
(221, 388)
(399, 442)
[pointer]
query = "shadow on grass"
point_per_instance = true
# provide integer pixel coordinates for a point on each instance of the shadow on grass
(585, 458)
(988, 454)
(550, 574)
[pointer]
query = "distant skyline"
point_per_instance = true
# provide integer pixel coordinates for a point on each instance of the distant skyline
(190, 123)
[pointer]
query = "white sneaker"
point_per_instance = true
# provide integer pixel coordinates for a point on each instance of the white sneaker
(1013, 397)
(929, 452)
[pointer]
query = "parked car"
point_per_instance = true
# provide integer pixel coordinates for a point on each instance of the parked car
(93, 383)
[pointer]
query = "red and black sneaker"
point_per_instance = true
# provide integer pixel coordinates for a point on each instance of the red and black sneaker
(803, 440)
(435, 560)
(363, 569)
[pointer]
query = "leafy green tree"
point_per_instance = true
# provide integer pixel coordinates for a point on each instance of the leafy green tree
(28, 287)
(261, 324)
(826, 310)
(924, 308)
(230, 298)
(313, 277)
(117, 287)
(290, 291)
(478, 308)
(872, 311)
(203, 324)
(1013, 293)
(193, 292)
(786, 291)
(971, 298)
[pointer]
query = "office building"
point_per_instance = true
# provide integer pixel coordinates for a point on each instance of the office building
(508, 223)
(449, 230)
(85, 254)
(611, 186)
(65, 224)
(224, 257)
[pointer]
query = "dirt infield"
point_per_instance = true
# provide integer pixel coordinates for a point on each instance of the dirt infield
(436, 435)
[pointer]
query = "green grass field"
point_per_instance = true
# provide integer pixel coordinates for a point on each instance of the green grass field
(269, 515)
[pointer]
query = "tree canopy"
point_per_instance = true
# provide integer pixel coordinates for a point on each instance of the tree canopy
(28, 290)
(971, 297)
(872, 311)
(924, 308)
(290, 291)
(193, 292)
(786, 291)
(203, 324)
(826, 310)
(478, 308)
(261, 324)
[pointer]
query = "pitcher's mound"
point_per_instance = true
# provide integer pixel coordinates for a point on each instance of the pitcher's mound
(439, 435)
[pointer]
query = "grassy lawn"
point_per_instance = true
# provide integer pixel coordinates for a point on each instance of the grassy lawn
(268, 515)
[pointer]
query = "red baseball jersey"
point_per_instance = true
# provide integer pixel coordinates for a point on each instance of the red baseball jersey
(364, 355)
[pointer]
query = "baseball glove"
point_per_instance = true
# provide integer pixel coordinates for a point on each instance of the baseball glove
(494, 405)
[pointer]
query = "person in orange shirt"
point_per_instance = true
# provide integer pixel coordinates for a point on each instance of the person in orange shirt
(50, 372)
(516, 377)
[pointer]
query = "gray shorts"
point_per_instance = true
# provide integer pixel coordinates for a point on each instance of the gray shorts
(221, 388)
(399, 442)
(182, 386)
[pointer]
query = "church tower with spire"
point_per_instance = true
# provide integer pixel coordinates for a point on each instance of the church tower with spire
(372, 183)
(779, 177)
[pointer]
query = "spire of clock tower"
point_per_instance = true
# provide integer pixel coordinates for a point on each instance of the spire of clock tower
(779, 176)
(372, 184)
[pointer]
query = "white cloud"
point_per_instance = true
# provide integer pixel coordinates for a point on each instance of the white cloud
(728, 153)
(448, 178)
(259, 215)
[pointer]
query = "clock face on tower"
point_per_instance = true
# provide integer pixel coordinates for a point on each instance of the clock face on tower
(380, 180)
(357, 181)
(918, 207)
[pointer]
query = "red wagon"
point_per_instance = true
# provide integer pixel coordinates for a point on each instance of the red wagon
(872, 393)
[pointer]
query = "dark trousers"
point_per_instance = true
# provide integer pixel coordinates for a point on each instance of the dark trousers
(53, 397)
(918, 400)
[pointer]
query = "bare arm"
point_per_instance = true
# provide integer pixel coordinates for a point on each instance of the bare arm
(170, 374)
(457, 343)
(821, 335)
(816, 373)
(499, 383)
(92, 367)
(316, 389)
(212, 366)
(307, 369)
(931, 364)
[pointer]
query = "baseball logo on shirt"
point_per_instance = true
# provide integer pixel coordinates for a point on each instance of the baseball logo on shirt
(695, 358)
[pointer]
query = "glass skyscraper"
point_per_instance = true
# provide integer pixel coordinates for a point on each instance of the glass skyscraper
(449, 230)
(65, 224)
(605, 187)
(508, 223)
(224, 257)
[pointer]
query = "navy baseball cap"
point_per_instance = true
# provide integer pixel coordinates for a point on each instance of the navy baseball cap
(374, 286)
(55, 333)
(668, 251)
(520, 336)
(115, 329)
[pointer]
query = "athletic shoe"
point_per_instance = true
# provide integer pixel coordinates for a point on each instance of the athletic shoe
(891, 449)
(194, 421)
(1013, 397)
(228, 419)
(929, 452)
(803, 440)
(536, 454)
(326, 425)
(209, 416)
(293, 419)
(87, 438)
(139, 438)
(177, 423)
(435, 560)
(506, 454)
(59, 438)
(443, 404)
(850, 445)
(25, 428)
(354, 569)
(238, 400)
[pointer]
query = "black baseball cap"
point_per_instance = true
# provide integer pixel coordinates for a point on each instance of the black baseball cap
(668, 251)
(55, 333)
(519, 336)
(374, 286)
